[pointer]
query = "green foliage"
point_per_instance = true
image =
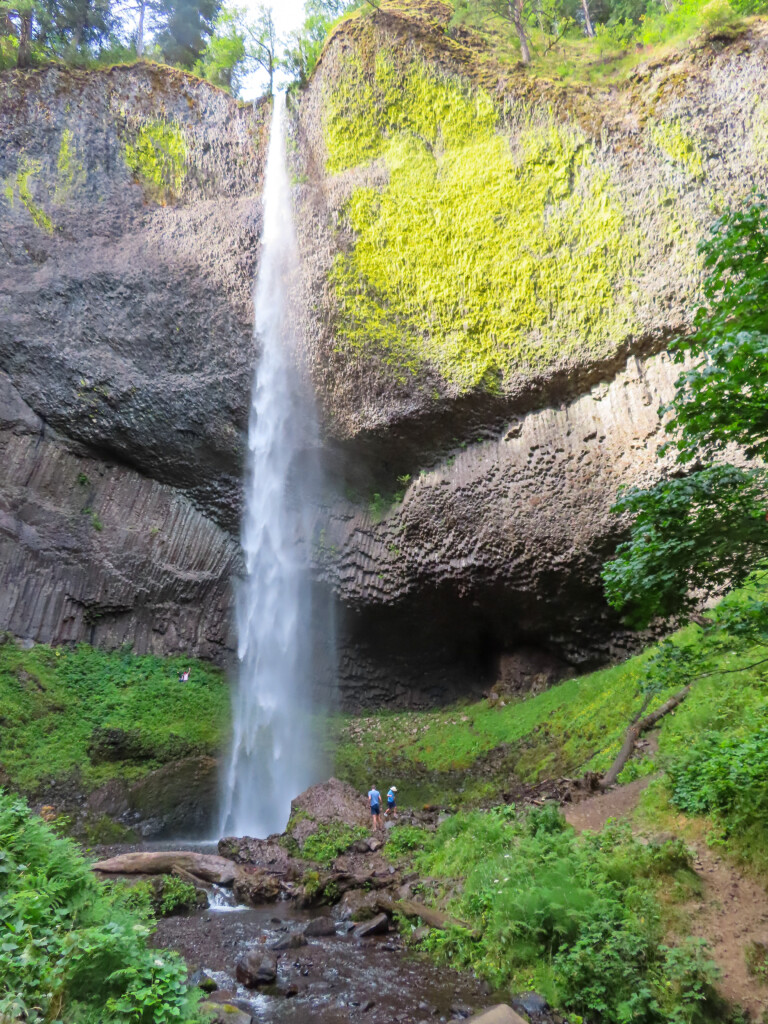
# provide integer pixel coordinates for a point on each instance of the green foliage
(706, 532)
(223, 61)
(404, 839)
(703, 531)
(156, 157)
(329, 840)
(68, 951)
(575, 916)
(58, 702)
(474, 258)
(176, 895)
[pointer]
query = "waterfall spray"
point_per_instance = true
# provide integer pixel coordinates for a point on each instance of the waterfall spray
(272, 757)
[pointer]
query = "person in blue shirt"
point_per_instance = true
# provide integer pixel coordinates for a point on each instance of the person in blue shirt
(391, 802)
(374, 800)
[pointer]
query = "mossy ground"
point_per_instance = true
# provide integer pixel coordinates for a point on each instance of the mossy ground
(53, 701)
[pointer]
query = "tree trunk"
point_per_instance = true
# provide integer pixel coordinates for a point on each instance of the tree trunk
(516, 16)
(207, 867)
(587, 19)
(634, 732)
(140, 31)
(411, 908)
(24, 55)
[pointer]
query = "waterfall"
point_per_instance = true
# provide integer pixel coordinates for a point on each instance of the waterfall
(273, 753)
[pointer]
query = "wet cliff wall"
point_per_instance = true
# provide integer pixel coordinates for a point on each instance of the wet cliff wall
(128, 239)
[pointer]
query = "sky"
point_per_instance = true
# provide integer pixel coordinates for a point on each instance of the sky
(288, 14)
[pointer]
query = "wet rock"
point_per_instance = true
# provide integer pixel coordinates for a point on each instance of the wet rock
(320, 926)
(203, 980)
(222, 995)
(357, 905)
(226, 1013)
(378, 925)
(256, 968)
(294, 941)
(180, 795)
(532, 1002)
(255, 887)
(264, 853)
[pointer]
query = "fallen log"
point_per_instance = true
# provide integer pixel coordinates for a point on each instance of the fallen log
(207, 867)
(411, 908)
(634, 732)
(187, 876)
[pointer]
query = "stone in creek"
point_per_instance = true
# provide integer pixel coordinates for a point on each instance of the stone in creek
(200, 979)
(501, 1014)
(255, 887)
(288, 942)
(532, 1002)
(320, 926)
(256, 968)
(226, 1013)
(376, 926)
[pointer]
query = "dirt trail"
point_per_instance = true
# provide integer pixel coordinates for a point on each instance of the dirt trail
(732, 912)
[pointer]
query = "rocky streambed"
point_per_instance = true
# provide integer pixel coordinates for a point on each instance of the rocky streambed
(285, 937)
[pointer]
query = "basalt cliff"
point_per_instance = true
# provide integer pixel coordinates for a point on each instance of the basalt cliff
(493, 266)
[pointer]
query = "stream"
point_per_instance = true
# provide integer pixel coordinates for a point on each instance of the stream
(329, 980)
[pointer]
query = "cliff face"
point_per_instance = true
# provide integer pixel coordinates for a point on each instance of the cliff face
(498, 264)
(130, 220)
(493, 265)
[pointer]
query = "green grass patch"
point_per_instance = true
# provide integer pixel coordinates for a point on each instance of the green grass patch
(578, 918)
(330, 840)
(61, 706)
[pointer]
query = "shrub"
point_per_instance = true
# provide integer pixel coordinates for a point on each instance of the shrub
(331, 840)
(575, 916)
(70, 950)
(405, 839)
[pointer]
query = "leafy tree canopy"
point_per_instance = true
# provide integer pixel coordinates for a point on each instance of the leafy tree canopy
(703, 533)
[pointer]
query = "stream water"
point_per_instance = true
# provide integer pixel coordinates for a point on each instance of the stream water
(273, 755)
(328, 981)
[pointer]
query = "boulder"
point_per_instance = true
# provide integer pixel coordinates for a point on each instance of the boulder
(320, 926)
(264, 853)
(293, 941)
(358, 905)
(256, 968)
(378, 925)
(255, 887)
(330, 802)
(501, 1014)
(178, 798)
(203, 980)
(226, 1013)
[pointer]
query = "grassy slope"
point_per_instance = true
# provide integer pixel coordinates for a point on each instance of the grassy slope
(573, 727)
(51, 700)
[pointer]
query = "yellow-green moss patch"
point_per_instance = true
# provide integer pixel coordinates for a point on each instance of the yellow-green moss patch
(678, 146)
(157, 158)
(478, 258)
(70, 170)
(19, 186)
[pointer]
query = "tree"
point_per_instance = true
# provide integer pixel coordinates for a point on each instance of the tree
(303, 46)
(514, 12)
(262, 48)
(20, 16)
(705, 530)
(225, 59)
(183, 27)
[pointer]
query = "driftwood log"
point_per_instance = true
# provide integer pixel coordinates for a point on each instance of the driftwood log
(206, 867)
(635, 731)
(411, 908)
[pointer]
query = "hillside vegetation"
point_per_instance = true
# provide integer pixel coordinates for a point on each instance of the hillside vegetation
(84, 716)
(712, 750)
